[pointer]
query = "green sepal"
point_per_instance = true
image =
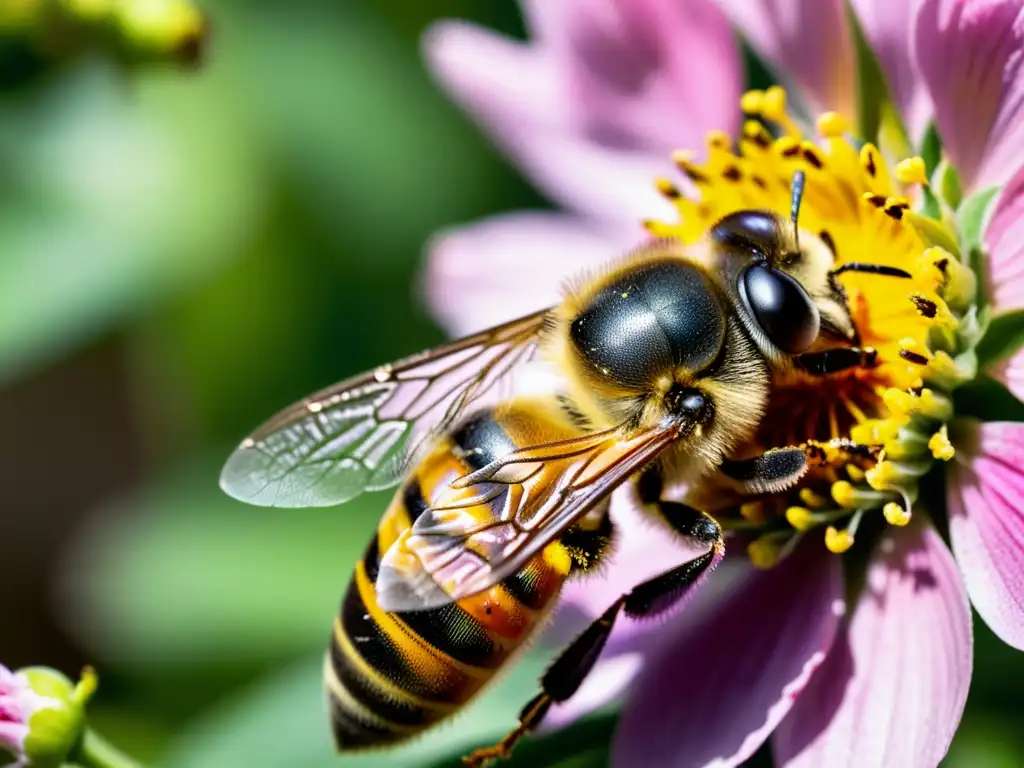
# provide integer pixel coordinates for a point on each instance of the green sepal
(931, 149)
(972, 218)
(930, 205)
(946, 180)
(56, 729)
(1004, 337)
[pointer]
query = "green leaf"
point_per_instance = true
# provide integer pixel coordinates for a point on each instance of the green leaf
(281, 721)
(180, 577)
(1004, 337)
(350, 115)
(988, 400)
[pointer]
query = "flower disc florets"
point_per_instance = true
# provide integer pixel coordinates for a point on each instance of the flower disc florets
(894, 414)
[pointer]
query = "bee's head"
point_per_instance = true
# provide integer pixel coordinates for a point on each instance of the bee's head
(787, 293)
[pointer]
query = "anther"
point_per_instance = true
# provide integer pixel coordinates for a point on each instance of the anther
(812, 499)
(868, 161)
(896, 514)
(800, 518)
(925, 307)
(763, 553)
(810, 153)
(751, 101)
(940, 446)
(787, 146)
(837, 541)
(753, 512)
(913, 357)
(756, 133)
(832, 125)
(719, 140)
(668, 189)
(911, 171)
(844, 494)
(773, 105)
(876, 200)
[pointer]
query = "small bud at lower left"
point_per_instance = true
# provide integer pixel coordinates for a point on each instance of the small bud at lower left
(42, 714)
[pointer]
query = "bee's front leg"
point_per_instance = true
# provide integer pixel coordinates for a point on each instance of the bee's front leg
(835, 360)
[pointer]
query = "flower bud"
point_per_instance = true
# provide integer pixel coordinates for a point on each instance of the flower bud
(42, 714)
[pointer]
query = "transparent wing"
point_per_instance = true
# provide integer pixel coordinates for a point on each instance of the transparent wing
(460, 547)
(361, 434)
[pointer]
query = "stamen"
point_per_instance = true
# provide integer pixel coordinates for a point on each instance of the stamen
(753, 512)
(832, 125)
(812, 499)
(940, 446)
(896, 514)
(764, 552)
(911, 171)
(800, 518)
(837, 541)
(890, 416)
(668, 189)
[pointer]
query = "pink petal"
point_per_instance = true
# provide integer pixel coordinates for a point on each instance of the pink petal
(510, 265)
(12, 737)
(887, 27)
(608, 681)
(1004, 237)
(969, 54)
(986, 522)
(807, 41)
(591, 110)
(714, 693)
(894, 685)
(1011, 373)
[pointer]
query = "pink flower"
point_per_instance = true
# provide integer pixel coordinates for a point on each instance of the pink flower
(18, 703)
(590, 109)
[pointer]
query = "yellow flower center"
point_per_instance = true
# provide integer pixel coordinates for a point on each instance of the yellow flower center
(864, 212)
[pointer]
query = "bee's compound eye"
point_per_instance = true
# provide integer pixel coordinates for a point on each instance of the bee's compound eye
(781, 307)
(753, 230)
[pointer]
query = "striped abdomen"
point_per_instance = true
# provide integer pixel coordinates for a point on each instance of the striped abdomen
(391, 675)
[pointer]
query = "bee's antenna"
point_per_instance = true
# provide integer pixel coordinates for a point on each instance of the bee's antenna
(874, 269)
(794, 206)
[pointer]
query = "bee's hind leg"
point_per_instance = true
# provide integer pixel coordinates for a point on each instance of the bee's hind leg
(648, 598)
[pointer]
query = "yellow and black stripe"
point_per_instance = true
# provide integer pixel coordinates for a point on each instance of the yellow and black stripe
(389, 676)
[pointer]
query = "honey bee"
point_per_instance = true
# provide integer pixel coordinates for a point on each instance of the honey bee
(665, 363)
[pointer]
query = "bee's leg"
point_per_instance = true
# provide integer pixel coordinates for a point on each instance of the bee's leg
(770, 472)
(836, 360)
(649, 598)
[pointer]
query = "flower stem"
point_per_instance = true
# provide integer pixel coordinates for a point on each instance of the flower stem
(97, 752)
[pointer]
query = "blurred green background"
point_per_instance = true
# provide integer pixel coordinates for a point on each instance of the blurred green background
(182, 252)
